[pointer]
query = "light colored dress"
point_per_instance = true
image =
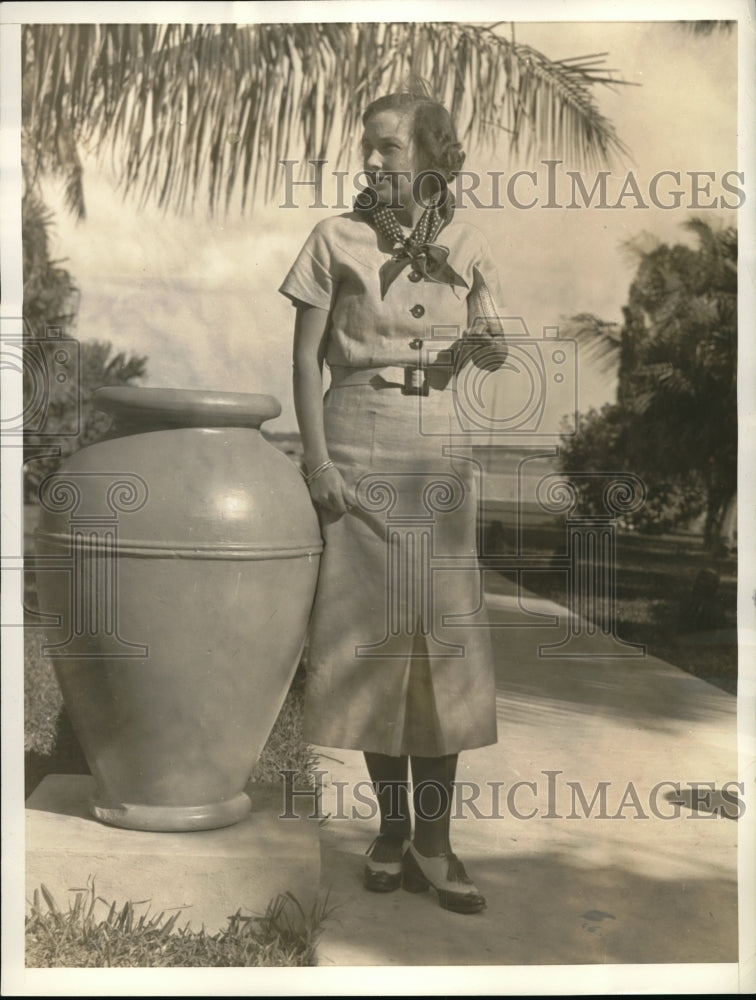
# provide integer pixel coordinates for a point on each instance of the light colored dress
(400, 658)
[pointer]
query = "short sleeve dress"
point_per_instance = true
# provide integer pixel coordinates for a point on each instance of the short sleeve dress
(400, 659)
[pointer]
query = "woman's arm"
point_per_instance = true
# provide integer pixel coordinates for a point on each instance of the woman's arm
(483, 341)
(328, 489)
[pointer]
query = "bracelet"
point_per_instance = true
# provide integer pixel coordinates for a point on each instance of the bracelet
(328, 464)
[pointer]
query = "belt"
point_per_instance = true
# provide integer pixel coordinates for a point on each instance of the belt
(413, 380)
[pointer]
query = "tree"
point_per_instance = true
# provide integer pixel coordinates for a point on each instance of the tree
(49, 383)
(50, 294)
(179, 106)
(675, 420)
(59, 373)
(608, 442)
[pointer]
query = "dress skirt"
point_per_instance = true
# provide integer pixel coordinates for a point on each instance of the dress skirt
(400, 658)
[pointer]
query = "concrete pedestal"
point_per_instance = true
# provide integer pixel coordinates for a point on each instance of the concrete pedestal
(210, 874)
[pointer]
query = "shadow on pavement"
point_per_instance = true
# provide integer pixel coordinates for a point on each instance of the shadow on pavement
(644, 689)
(543, 909)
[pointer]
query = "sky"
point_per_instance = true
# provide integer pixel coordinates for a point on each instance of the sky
(199, 297)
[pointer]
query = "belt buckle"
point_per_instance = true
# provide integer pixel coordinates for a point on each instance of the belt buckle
(415, 381)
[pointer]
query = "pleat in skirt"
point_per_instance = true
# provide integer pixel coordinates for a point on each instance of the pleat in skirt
(400, 658)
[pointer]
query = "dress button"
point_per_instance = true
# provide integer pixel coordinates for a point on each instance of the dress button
(415, 276)
(417, 311)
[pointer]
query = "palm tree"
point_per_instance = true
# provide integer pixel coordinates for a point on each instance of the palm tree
(181, 107)
(676, 359)
(60, 416)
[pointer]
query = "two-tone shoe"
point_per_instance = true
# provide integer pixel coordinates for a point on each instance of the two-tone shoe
(446, 874)
(383, 868)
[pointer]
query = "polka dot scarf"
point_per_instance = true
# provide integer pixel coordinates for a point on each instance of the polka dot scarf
(425, 231)
(428, 259)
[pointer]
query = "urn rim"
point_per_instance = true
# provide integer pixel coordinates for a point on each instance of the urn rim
(186, 407)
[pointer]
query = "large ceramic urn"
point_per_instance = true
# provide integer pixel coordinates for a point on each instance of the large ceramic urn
(180, 559)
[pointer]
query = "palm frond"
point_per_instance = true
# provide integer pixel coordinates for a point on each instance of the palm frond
(636, 247)
(599, 341)
(181, 107)
(706, 28)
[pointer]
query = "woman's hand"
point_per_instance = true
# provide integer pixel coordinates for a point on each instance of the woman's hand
(485, 348)
(329, 490)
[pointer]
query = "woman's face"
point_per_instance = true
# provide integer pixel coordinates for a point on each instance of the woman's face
(389, 158)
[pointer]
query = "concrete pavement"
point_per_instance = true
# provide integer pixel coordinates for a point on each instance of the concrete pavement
(645, 872)
(206, 875)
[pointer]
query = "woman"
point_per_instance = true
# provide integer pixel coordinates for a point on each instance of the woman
(397, 666)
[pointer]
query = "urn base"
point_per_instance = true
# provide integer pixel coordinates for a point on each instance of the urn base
(172, 819)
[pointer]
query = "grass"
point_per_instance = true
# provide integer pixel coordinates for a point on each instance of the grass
(92, 933)
(286, 747)
(654, 601)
